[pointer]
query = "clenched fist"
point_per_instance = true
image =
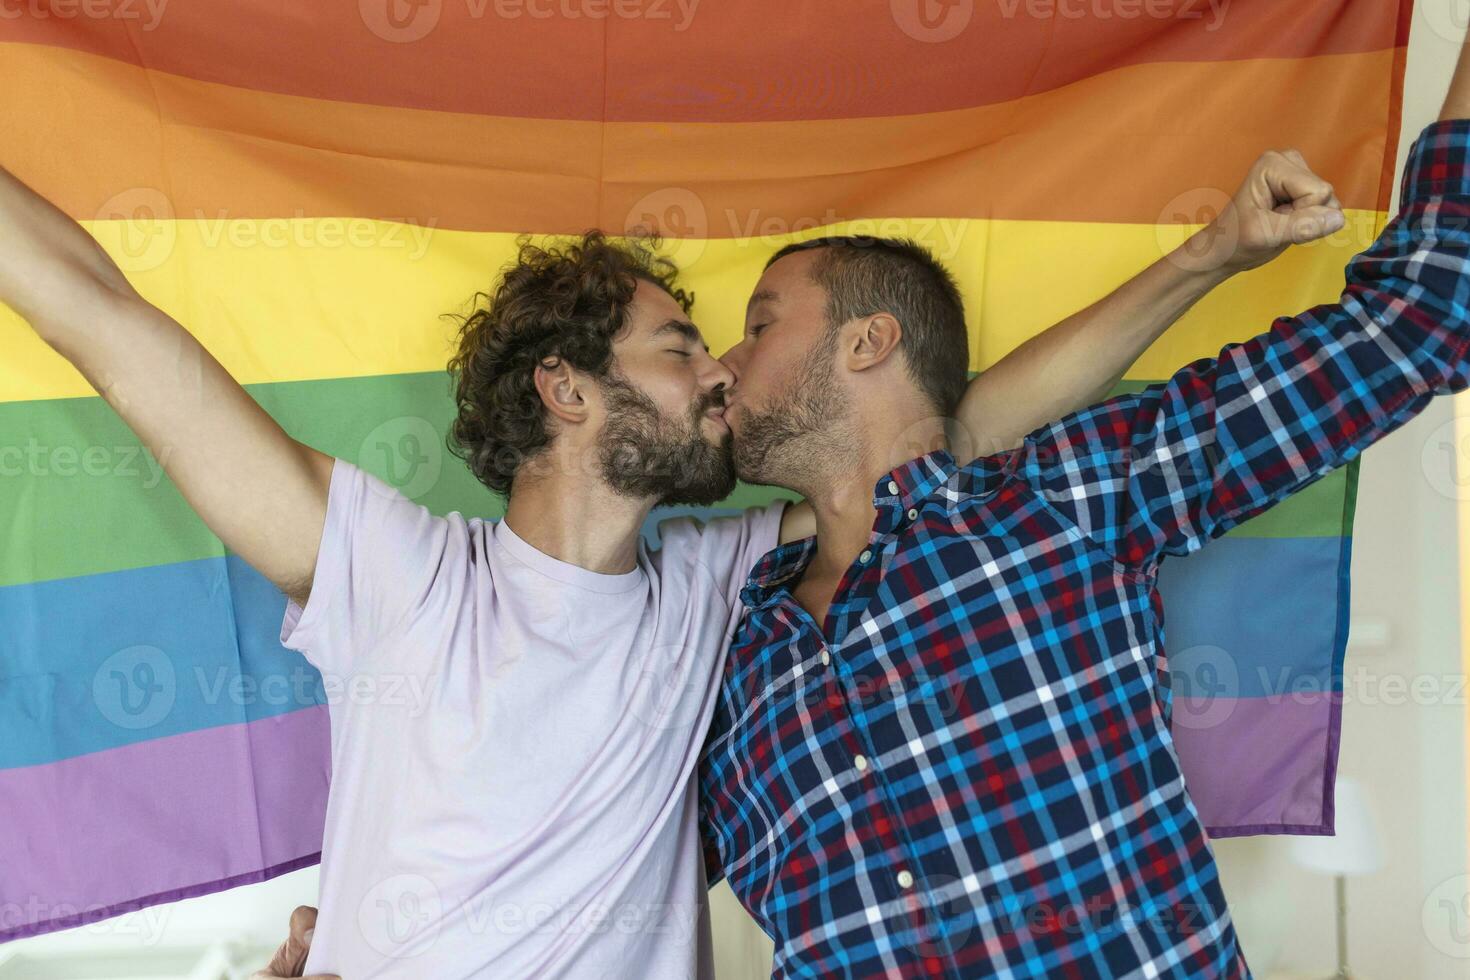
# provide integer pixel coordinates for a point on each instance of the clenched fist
(1281, 203)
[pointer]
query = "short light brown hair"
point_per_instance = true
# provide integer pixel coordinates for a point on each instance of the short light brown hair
(898, 276)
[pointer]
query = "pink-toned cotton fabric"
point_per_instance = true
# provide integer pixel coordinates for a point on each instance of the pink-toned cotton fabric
(513, 739)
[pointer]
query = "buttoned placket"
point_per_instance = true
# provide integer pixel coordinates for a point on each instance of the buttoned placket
(854, 590)
(892, 518)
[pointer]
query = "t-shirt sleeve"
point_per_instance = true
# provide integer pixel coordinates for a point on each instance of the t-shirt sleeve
(725, 548)
(380, 557)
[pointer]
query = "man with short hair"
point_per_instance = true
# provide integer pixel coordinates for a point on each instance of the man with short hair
(941, 748)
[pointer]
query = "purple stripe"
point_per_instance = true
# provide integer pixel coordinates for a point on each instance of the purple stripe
(1259, 765)
(171, 818)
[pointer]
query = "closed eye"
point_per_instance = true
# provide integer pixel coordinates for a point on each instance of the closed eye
(756, 328)
(681, 353)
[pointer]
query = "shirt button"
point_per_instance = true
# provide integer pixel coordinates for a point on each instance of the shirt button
(913, 513)
(861, 762)
(892, 487)
(867, 554)
(826, 658)
(905, 880)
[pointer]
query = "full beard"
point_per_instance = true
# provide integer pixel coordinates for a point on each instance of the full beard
(775, 445)
(644, 453)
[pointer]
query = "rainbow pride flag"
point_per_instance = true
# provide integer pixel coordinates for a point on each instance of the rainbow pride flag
(309, 187)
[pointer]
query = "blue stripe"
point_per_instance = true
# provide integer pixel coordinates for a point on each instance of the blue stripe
(1255, 617)
(102, 661)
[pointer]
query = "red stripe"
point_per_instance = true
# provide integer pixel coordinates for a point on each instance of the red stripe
(752, 61)
(1161, 131)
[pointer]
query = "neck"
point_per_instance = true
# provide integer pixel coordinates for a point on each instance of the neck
(842, 495)
(568, 512)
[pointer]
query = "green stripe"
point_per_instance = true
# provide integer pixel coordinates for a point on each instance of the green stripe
(80, 497)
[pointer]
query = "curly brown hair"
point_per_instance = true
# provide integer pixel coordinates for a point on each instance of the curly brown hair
(568, 299)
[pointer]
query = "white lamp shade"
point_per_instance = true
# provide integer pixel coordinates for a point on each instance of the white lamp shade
(1355, 849)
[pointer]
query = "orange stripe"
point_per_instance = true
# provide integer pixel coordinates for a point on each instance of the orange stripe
(1395, 108)
(1127, 146)
(691, 60)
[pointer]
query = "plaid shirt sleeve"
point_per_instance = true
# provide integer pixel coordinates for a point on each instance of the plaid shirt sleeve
(1165, 469)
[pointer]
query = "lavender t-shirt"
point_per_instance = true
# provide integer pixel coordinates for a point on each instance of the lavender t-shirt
(513, 741)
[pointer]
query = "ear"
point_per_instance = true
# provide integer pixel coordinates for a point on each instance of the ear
(872, 341)
(559, 386)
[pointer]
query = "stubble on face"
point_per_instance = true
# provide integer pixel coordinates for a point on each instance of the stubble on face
(775, 444)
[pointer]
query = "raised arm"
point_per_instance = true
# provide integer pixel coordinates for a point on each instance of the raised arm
(1164, 470)
(260, 491)
(1078, 361)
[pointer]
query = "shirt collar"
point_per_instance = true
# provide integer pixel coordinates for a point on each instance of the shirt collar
(909, 484)
(900, 491)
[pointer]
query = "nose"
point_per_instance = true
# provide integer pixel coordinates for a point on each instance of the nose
(717, 376)
(733, 361)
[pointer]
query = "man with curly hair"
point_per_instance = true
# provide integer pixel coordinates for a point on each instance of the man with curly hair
(540, 818)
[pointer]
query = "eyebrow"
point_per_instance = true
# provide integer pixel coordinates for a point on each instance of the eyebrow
(761, 296)
(684, 329)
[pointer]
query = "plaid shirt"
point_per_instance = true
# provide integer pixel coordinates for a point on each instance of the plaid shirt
(969, 771)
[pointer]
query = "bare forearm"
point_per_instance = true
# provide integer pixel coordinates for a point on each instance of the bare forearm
(1079, 360)
(51, 270)
(262, 492)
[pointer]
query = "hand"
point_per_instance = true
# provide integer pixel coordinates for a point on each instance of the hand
(1281, 203)
(290, 959)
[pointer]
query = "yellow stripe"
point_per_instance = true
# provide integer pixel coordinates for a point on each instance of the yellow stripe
(303, 299)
